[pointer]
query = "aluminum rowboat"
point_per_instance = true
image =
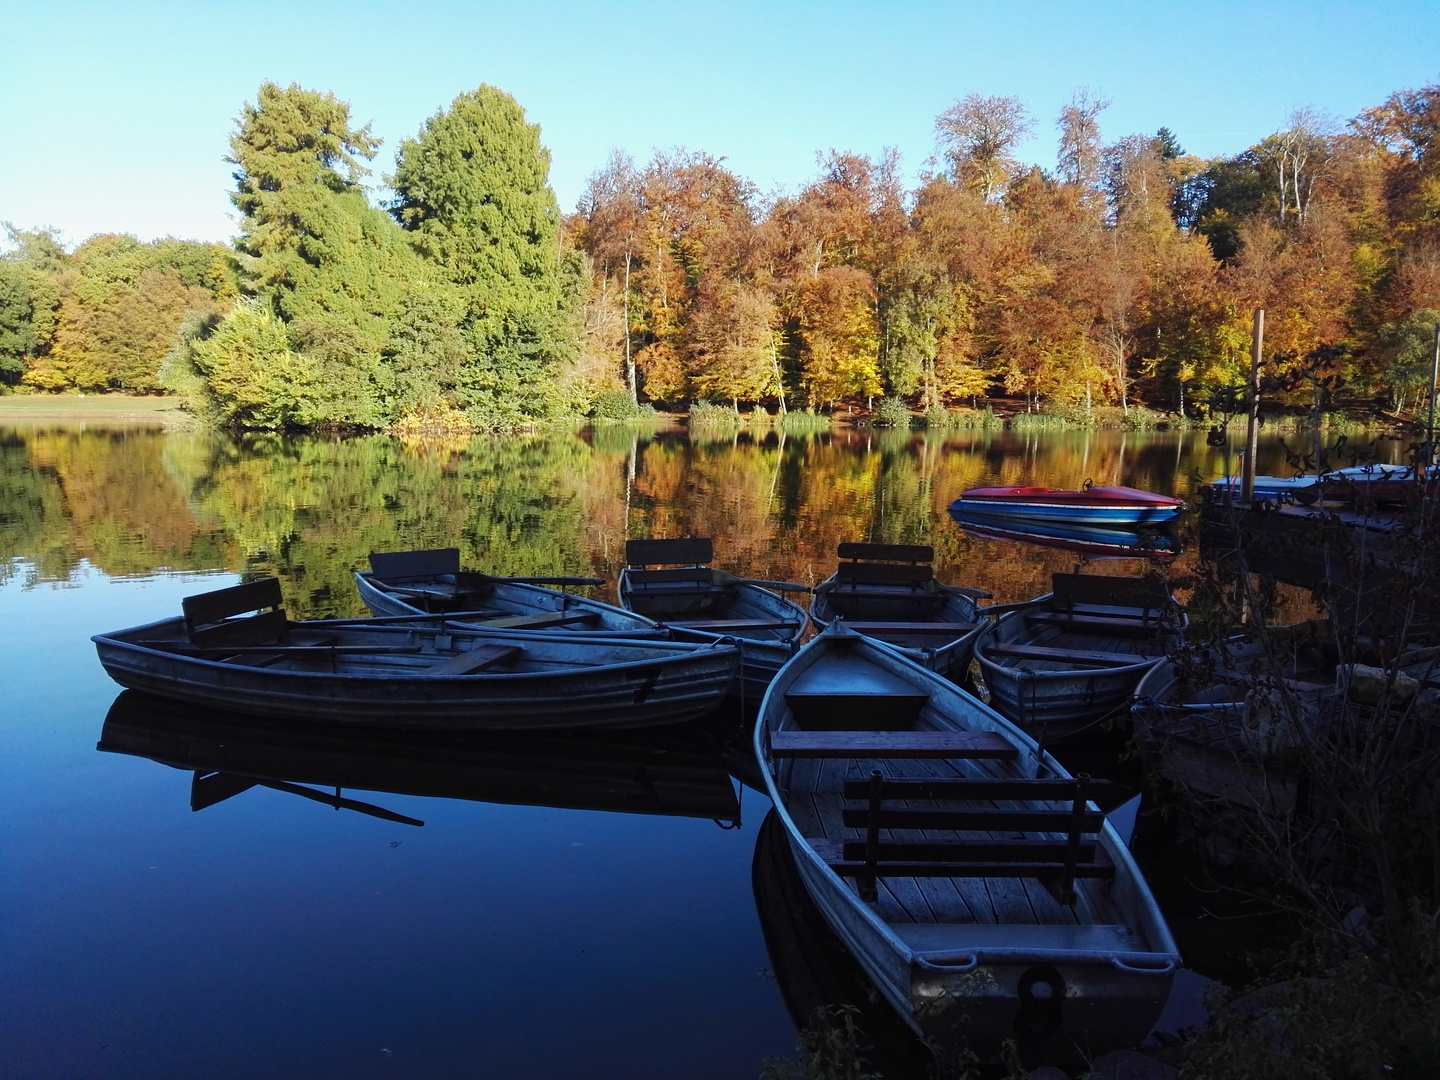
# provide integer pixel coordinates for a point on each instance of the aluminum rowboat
(961, 958)
(1066, 661)
(699, 604)
(386, 676)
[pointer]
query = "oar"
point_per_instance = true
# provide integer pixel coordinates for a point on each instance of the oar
(386, 620)
(720, 577)
(478, 577)
(339, 802)
(966, 590)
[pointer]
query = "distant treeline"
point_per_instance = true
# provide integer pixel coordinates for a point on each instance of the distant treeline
(1128, 275)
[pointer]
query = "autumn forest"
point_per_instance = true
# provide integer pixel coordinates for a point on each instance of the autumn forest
(1124, 276)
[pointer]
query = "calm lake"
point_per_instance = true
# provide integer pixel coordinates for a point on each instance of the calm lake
(564, 910)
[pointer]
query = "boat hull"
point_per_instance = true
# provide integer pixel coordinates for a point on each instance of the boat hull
(1092, 506)
(1112, 988)
(628, 684)
(1095, 513)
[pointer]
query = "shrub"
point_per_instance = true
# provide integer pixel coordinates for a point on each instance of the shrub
(808, 420)
(1139, 418)
(707, 414)
(891, 412)
(617, 407)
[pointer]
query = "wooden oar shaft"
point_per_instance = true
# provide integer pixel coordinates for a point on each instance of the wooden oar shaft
(720, 577)
(386, 620)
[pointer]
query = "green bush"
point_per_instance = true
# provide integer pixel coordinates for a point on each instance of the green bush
(706, 414)
(616, 407)
(891, 412)
(1139, 418)
(1040, 422)
(808, 420)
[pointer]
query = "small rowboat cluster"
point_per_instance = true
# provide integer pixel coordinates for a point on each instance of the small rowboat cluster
(970, 874)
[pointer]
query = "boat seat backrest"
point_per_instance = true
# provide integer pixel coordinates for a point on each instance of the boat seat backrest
(1060, 808)
(698, 580)
(210, 618)
(398, 567)
(892, 564)
(694, 550)
(1149, 594)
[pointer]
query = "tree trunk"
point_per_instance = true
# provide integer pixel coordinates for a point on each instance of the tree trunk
(629, 360)
(779, 379)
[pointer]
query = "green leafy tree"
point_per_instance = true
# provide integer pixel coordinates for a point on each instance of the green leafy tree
(29, 296)
(252, 377)
(473, 190)
(333, 268)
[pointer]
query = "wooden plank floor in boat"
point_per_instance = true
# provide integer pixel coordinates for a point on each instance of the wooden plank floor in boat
(814, 801)
(1070, 639)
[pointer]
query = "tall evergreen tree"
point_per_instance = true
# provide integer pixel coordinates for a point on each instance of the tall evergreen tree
(473, 188)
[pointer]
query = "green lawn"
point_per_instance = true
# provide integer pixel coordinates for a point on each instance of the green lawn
(122, 407)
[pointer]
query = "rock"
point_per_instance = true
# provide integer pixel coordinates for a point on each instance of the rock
(1370, 685)
(1130, 1065)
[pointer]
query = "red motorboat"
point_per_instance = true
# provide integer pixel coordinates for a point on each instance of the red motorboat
(1089, 506)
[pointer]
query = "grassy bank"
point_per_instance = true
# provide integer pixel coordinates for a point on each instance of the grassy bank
(92, 408)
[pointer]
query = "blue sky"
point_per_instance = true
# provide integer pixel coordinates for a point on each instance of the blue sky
(114, 117)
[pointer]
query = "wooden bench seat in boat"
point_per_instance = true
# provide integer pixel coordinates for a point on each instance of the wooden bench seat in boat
(541, 621)
(1113, 624)
(1084, 657)
(721, 625)
(879, 629)
(1100, 602)
(891, 744)
(950, 937)
(698, 581)
(465, 663)
(1066, 854)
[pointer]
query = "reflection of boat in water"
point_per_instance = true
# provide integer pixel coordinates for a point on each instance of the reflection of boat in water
(1095, 540)
(818, 977)
(675, 772)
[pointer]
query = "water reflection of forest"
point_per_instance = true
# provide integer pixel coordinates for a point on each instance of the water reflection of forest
(310, 509)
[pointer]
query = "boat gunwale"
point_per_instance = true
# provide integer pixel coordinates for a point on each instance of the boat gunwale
(676, 649)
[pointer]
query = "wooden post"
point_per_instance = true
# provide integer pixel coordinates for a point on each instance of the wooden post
(868, 891)
(1252, 428)
(1434, 377)
(1072, 841)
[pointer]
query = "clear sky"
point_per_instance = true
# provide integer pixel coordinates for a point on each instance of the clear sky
(114, 116)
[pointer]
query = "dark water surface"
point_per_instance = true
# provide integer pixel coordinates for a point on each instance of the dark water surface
(271, 934)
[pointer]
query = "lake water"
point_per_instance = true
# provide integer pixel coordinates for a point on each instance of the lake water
(611, 931)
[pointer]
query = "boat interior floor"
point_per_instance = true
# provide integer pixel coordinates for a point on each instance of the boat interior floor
(1091, 650)
(814, 797)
